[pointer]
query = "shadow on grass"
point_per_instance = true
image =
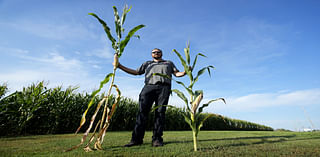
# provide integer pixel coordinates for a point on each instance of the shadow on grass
(237, 138)
(263, 140)
(239, 142)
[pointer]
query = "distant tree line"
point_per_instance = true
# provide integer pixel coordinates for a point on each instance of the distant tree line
(38, 109)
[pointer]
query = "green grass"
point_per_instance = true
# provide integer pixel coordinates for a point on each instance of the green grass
(177, 143)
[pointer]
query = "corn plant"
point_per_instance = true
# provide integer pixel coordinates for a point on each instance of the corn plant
(118, 45)
(193, 107)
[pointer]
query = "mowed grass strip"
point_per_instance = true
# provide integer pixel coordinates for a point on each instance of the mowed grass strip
(177, 143)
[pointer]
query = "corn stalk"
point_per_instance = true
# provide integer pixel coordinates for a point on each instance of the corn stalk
(193, 107)
(118, 45)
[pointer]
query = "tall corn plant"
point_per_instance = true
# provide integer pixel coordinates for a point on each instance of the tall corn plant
(118, 45)
(193, 107)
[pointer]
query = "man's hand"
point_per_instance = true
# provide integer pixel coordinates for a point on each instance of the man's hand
(179, 74)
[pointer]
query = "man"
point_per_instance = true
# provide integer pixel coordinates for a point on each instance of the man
(156, 90)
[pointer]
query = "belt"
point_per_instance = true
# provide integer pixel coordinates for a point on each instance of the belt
(161, 84)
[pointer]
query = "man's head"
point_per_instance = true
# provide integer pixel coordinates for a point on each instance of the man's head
(156, 53)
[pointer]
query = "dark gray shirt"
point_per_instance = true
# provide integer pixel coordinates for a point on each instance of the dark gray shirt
(150, 67)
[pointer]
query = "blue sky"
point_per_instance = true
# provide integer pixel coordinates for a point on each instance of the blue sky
(265, 52)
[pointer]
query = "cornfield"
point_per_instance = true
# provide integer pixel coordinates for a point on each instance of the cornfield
(37, 109)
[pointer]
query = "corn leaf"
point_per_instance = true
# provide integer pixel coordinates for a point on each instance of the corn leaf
(182, 96)
(106, 80)
(209, 70)
(201, 123)
(124, 14)
(117, 22)
(187, 53)
(181, 58)
(184, 64)
(188, 120)
(90, 125)
(200, 72)
(106, 29)
(124, 42)
(92, 118)
(158, 106)
(181, 83)
(207, 104)
(93, 134)
(116, 103)
(102, 132)
(162, 75)
(195, 60)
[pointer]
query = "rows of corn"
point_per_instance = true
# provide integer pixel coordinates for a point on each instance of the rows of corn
(37, 109)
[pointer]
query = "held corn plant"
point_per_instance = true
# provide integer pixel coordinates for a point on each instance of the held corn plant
(193, 107)
(118, 45)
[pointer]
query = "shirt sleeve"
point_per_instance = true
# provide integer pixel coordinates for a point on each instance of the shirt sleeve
(174, 68)
(142, 69)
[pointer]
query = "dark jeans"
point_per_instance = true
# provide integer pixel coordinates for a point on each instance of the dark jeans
(158, 94)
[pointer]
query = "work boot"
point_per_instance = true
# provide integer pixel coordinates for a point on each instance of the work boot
(133, 143)
(157, 143)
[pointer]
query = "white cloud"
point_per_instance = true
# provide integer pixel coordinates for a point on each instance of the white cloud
(51, 29)
(59, 70)
(52, 67)
(52, 58)
(23, 78)
(13, 51)
(260, 101)
(55, 59)
(60, 61)
(96, 66)
(105, 53)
